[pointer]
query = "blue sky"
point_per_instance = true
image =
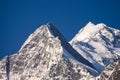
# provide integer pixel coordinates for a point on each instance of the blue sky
(19, 18)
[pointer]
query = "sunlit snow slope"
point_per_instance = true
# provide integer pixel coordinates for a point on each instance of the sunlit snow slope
(99, 44)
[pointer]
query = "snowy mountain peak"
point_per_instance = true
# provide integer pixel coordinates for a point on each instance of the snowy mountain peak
(101, 25)
(46, 55)
(46, 30)
(90, 24)
(49, 31)
(99, 44)
(88, 31)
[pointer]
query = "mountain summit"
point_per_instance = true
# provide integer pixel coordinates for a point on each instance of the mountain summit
(50, 31)
(99, 44)
(89, 31)
(46, 55)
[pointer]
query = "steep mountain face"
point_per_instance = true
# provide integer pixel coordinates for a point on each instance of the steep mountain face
(46, 55)
(99, 44)
(111, 72)
(3, 75)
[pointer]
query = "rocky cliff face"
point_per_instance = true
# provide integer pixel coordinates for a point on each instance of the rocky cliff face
(3, 72)
(111, 72)
(46, 55)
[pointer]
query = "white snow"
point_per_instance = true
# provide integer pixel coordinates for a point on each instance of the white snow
(88, 31)
(98, 40)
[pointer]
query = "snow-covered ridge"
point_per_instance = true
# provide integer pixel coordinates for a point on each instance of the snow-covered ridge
(89, 31)
(99, 44)
(46, 55)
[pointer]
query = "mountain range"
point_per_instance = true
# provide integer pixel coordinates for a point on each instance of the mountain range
(93, 54)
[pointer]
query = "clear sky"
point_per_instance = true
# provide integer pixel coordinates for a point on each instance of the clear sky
(19, 18)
